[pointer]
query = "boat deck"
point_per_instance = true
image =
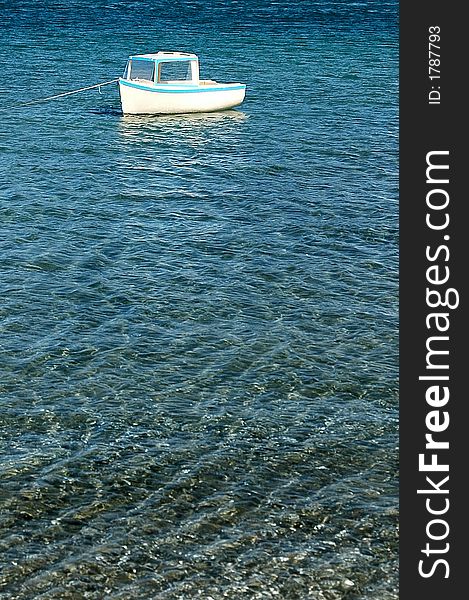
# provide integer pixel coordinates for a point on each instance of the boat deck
(202, 82)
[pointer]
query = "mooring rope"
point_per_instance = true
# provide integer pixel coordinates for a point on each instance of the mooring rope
(90, 87)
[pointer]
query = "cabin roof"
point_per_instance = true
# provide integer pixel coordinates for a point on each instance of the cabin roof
(162, 56)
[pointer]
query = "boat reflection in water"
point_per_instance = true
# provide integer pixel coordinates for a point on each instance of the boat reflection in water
(180, 152)
(174, 130)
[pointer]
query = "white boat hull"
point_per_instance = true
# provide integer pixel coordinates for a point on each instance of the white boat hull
(164, 99)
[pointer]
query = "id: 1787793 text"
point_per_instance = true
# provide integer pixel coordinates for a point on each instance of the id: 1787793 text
(434, 95)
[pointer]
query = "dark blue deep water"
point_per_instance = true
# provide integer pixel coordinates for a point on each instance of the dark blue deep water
(198, 314)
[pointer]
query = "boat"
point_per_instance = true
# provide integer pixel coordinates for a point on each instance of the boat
(169, 83)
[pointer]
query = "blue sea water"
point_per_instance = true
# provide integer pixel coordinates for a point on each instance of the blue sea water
(198, 314)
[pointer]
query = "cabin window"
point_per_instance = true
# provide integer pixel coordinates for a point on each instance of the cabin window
(176, 70)
(142, 69)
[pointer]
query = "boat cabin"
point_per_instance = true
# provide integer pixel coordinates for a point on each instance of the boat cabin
(177, 68)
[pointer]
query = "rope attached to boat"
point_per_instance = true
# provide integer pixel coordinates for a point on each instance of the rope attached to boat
(90, 87)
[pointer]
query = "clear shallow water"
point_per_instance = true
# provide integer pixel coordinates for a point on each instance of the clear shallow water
(198, 316)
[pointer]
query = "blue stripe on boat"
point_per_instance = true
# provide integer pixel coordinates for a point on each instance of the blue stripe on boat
(165, 89)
